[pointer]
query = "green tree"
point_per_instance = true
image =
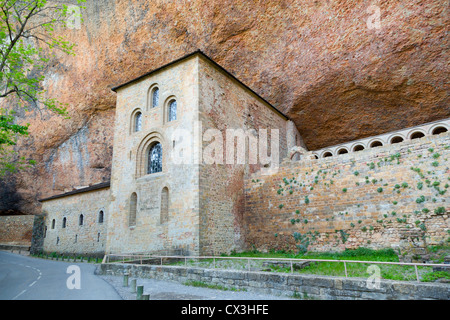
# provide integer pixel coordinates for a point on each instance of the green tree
(27, 38)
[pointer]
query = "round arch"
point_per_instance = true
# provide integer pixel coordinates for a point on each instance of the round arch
(133, 120)
(167, 104)
(416, 134)
(358, 147)
(375, 143)
(143, 148)
(438, 129)
(153, 101)
(396, 138)
(326, 154)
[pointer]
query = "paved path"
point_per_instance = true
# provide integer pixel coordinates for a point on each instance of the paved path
(168, 290)
(27, 278)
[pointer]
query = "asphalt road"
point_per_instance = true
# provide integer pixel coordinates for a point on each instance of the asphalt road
(26, 278)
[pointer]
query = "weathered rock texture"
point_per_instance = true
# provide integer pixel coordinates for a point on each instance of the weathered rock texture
(318, 61)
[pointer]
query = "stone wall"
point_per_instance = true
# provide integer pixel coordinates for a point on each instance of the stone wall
(129, 175)
(304, 286)
(16, 230)
(206, 205)
(393, 196)
(225, 104)
(73, 238)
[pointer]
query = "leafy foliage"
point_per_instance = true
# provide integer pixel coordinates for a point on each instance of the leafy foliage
(27, 27)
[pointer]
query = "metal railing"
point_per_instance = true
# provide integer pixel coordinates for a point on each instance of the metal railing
(140, 258)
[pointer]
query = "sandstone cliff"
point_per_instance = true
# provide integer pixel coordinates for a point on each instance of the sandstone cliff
(322, 62)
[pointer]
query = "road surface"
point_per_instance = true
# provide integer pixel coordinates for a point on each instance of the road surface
(26, 278)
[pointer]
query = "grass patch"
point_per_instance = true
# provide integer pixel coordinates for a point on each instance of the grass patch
(202, 284)
(389, 272)
(433, 276)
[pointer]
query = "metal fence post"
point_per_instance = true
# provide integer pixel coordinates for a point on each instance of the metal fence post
(140, 292)
(417, 273)
(345, 267)
(133, 286)
(125, 280)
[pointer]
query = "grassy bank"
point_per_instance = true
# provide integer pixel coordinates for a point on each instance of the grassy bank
(391, 272)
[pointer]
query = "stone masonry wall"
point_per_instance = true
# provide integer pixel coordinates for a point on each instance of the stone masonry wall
(394, 196)
(16, 230)
(226, 104)
(304, 286)
(88, 238)
(129, 175)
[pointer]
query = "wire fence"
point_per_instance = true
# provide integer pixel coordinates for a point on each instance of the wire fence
(247, 262)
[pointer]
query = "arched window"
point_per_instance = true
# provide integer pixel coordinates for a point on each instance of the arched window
(296, 156)
(164, 215)
(327, 154)
(358, 147)
(342, 151)
(138, 122)
(53, 223)
(133, 209)
(396, 139)
(100, 216)
(64, 222)
(172, 111)
(80, 220)
(155, 98)
(439, 130)
(376, 144)
(417, 135)
(155, 159)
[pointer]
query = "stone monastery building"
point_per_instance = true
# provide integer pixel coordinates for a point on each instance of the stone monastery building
(173, 188)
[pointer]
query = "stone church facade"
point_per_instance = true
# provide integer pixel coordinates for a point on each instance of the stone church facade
(163, 195)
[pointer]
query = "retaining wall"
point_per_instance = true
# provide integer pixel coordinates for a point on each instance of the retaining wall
(16, 230)
(306, 286)
(393, 196)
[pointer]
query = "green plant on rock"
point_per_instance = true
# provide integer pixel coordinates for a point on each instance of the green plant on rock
(421, 199)
(303, 242)
(344, 235)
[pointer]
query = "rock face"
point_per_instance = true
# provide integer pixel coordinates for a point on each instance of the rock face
(335, 69)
